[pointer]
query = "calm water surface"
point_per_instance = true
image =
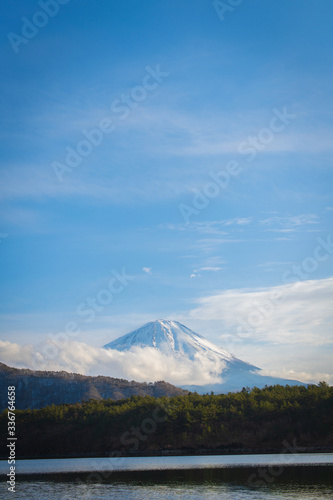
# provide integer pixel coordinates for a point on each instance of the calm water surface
(245, 477)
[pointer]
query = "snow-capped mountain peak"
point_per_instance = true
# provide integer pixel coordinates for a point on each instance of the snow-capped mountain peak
(171, 337)
(185, 346)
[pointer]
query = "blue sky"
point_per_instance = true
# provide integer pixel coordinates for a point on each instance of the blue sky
(158, 100)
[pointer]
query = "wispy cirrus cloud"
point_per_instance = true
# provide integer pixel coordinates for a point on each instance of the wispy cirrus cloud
(288, 223)
(197, 272)
(178, 132)
(26, 219)
(34, 183)
(209, 227)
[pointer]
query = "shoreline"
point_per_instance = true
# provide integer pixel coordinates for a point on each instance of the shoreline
(304, 473)
(174, 453)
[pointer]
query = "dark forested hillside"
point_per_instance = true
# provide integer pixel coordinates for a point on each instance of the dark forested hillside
(35, 389)
(275, 418)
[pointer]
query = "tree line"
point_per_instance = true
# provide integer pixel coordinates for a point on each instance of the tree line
(249, 420)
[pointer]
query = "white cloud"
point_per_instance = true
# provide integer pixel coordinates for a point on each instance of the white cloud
(286, 330)
(147, 270)
(140, 364)
(291, 314)
(16, 355)
(208, 268)
(304, 376)
(238, 221)
(196, 272)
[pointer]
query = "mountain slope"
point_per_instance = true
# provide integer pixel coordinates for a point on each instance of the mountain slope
(36, 389)
(178, 341)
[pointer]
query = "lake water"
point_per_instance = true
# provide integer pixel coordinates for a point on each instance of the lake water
(237, 477)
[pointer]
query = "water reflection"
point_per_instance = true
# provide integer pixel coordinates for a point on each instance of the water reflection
(49, 490)
(255, 477)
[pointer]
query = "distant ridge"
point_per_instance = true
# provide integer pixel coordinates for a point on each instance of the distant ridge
(36, 389)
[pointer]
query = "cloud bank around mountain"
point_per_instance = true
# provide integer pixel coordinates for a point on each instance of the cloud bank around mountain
(140, 364)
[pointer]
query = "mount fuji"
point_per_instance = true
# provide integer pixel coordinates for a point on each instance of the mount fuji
(176, 340)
